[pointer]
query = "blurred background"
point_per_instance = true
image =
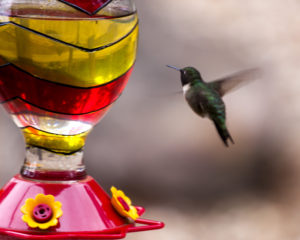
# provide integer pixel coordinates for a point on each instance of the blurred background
(168, 159)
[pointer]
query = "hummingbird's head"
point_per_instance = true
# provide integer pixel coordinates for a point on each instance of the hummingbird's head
(188, 74)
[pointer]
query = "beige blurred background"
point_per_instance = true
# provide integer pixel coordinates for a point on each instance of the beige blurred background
(169, 160)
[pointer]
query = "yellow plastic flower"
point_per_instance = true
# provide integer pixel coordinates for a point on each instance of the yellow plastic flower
(122, 204)
(42, 212)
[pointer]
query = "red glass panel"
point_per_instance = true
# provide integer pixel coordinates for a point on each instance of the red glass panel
(57, 98)
(89, 6)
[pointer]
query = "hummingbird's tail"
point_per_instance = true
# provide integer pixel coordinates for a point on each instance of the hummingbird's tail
(223, 132)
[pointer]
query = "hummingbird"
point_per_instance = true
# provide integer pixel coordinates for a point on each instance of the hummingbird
(205, 98)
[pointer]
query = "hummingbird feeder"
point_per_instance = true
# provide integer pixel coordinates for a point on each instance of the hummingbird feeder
(63, 63)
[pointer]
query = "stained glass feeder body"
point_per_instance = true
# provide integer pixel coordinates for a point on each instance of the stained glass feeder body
(63, 63)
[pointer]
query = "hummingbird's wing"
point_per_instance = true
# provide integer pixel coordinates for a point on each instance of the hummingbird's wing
(226, 84)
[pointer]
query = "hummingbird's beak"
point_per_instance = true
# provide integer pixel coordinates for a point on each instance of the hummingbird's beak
(176, 68)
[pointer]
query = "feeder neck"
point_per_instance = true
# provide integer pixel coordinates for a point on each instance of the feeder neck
(41, 164)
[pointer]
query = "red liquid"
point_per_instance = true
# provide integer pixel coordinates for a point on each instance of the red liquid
(90, 7)
(55, 97)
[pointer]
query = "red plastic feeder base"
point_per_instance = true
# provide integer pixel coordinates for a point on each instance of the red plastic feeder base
(87, 212)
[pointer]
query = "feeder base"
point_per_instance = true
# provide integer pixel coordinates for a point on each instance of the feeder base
(87, 211)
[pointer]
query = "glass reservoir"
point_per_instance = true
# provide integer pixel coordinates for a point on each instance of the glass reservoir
(62, 66)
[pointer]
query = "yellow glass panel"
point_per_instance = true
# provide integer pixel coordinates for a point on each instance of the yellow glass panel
(2, 62)
(58, 62)
(83, 33)
(55, 143)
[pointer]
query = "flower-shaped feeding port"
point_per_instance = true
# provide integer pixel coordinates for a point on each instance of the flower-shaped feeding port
(122, 204)
(42, 212)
